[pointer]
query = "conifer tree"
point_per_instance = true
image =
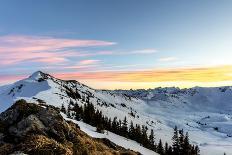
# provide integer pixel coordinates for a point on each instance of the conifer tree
(124, 127)
(175, 144)
(63, 109)
(166, 148)
(152, 139)
(114, 125)
(131, 130)
(186, 146)
(144, 137)
(181, 142)
(160, 148)
(170, 152)
(69, 111)
(100, 128)
(197, 150)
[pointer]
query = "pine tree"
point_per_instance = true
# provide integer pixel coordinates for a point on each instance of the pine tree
(100, 128)
(170, 152)
(63, 110)
(114, 125)
(124, 127)
(186, 146)
(197, 150)
(131, 130)
(181, 142)
(144, 137)
(160, 148)
(166, 148)
(151, 139)
(192, 150)
(138, 134)
(69, 111)
(175, 144)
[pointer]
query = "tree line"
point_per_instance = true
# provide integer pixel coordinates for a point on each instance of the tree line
(88, 114)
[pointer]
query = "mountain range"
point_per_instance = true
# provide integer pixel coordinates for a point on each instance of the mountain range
(205, 113)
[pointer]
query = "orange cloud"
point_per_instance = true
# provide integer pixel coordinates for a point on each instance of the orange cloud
(204, 74)
(180, 77)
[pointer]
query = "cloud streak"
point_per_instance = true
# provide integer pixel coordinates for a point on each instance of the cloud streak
(89, 62)
(168, 59)
(204, 74)
(20, 48)
(17, 49)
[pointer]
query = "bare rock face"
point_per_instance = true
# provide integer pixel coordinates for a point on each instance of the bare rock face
(27, 128)
(29, 124)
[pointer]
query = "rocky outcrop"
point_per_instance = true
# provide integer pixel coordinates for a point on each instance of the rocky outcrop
(28, 128)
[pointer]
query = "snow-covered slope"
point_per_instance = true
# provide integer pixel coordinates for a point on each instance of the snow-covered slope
(119, 140)
(205, 112)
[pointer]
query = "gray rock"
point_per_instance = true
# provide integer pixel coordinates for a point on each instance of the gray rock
(29, 124)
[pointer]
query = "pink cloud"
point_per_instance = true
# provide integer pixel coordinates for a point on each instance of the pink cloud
(18, 48)
(10, 78)
(89, 62)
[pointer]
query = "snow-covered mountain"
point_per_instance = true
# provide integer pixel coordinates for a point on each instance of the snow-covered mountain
(206, 113)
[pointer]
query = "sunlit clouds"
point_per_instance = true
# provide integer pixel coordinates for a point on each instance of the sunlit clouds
(181, 77)
(167, 59)
(207, 74)
(19, 48)
(102, 64)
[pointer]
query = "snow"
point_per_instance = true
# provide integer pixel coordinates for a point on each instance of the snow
(200, 111)
(119, 140)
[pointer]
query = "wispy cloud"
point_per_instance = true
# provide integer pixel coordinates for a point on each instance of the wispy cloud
(19, 48)
(118, 53)
(89, 62)
(84, 65)
(167, 59)
(15, 49)
(135, 52)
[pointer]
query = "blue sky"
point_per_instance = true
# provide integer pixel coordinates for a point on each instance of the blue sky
(137, 35)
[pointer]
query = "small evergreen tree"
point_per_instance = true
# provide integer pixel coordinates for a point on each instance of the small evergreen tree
(181, 142)
(197, 150)
(186, 146)
(100, 128)
(63, 110)
(175, 145)
(131, 130)
(166, 148)
(124, 127)
(69, 111)
(151, 140)
(160, 148)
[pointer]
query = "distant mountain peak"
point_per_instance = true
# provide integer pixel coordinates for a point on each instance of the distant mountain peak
(39, 75)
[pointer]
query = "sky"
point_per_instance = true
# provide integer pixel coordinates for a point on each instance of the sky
(123, 44)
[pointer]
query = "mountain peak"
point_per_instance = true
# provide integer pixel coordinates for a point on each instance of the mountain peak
(39, 75)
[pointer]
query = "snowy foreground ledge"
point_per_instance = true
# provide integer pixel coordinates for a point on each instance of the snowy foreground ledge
(119, 140)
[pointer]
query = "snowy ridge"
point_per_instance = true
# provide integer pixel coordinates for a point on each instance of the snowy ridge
(206, 113)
